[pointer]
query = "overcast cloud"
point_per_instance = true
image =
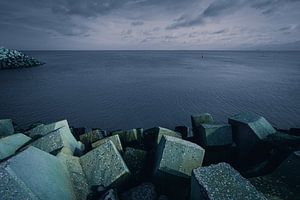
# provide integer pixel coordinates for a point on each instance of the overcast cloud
(148, 24)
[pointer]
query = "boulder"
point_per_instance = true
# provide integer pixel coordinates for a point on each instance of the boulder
(221, 181)
(53, 137)
(9, 144)
(203, 118)
(115, 140)
(104, 166)
(212, 135)
(79, 182)
(145, 191)
(248, 130)
(284, 182)
(6, 127)
(34, 174)
(152, 136)
(177, 157)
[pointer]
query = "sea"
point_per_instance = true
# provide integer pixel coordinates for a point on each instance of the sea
(131, 89)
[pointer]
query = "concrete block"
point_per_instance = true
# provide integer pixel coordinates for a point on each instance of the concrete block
(104, 166)
(91, 137)
(34, 174)
(203, 118)
(9, 144)
(212, 135)
(115, 140)
(145, 191)
(6, 127)
(129, 137)
(135, 160)
(221, 181)
(177, 157)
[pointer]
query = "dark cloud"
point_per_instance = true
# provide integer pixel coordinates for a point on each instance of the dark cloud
(137, 23)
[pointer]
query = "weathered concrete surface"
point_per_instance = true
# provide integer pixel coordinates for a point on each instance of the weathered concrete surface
(152, 136)
(135, 160)
(145, 191)
(212, 135)
(129, 137)
(115, 140)
(221, 181)
(79, 182)
(91, 137)
(248, 130)
(104, 165)
(203, 118)
(6, 127)
(54, 136)
(177, 157)
(34, 174)
(110, 195)
(9, 144)
(284, 182)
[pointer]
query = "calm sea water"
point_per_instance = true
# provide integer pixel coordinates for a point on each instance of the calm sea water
(127, 89)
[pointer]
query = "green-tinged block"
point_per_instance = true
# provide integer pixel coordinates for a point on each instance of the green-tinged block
(212, 135)
(104, 166)
(115, 140)
(54, 137)
(135, 160)
(6, 127)
(153, 136)
(177, 157)
(91, 137)
(133, 136)
(79, 182)
(9, 144)
(248, 130)
(34, 174)
(203, 118)
(221, 181)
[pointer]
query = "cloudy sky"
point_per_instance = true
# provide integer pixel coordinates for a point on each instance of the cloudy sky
(148, 24)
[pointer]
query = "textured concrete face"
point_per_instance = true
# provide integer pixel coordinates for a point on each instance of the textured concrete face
(91, 137)
(115, 140)
(55, 136)
(135, 160)
(34, 173)
(6, 127)
(9, 144)
(203, 118)
(177, 157)
(79, 182)
(248, 129)
(153, 136)
(133, 136)
(145, 191)
(215, 135)
(221, 181)
(104, 165)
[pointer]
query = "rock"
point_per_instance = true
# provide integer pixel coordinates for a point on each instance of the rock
(88, 138)
(221, 181)
(130, 137)
(14, 59)
(145, 191)
(186, 132)
(9, 144)
(212, 135)
(115, 140)
(135, 160)
(203, 118)
(284, 182)
(152, 136)
(104, 166)
(6, 127)
(54, 137)
(177, 157)
(79, 182)
(34, 174)
(248, 130)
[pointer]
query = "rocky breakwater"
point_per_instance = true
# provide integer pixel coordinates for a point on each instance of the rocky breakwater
(244, 159)
(10, 59)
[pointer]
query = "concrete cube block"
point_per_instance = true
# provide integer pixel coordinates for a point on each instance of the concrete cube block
(186, 132)
(221, 181)
(6, 127)
(91, 137)
(133, 136)
(115, 140)
(177, 157)
(203, 118)
(104, 166)
(248, 130)
(9, 144)
(145, 191)
(153, 136)
(212, 135)
(35, 174)
(135, 160)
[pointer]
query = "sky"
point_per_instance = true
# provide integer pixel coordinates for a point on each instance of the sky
(147, 24)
